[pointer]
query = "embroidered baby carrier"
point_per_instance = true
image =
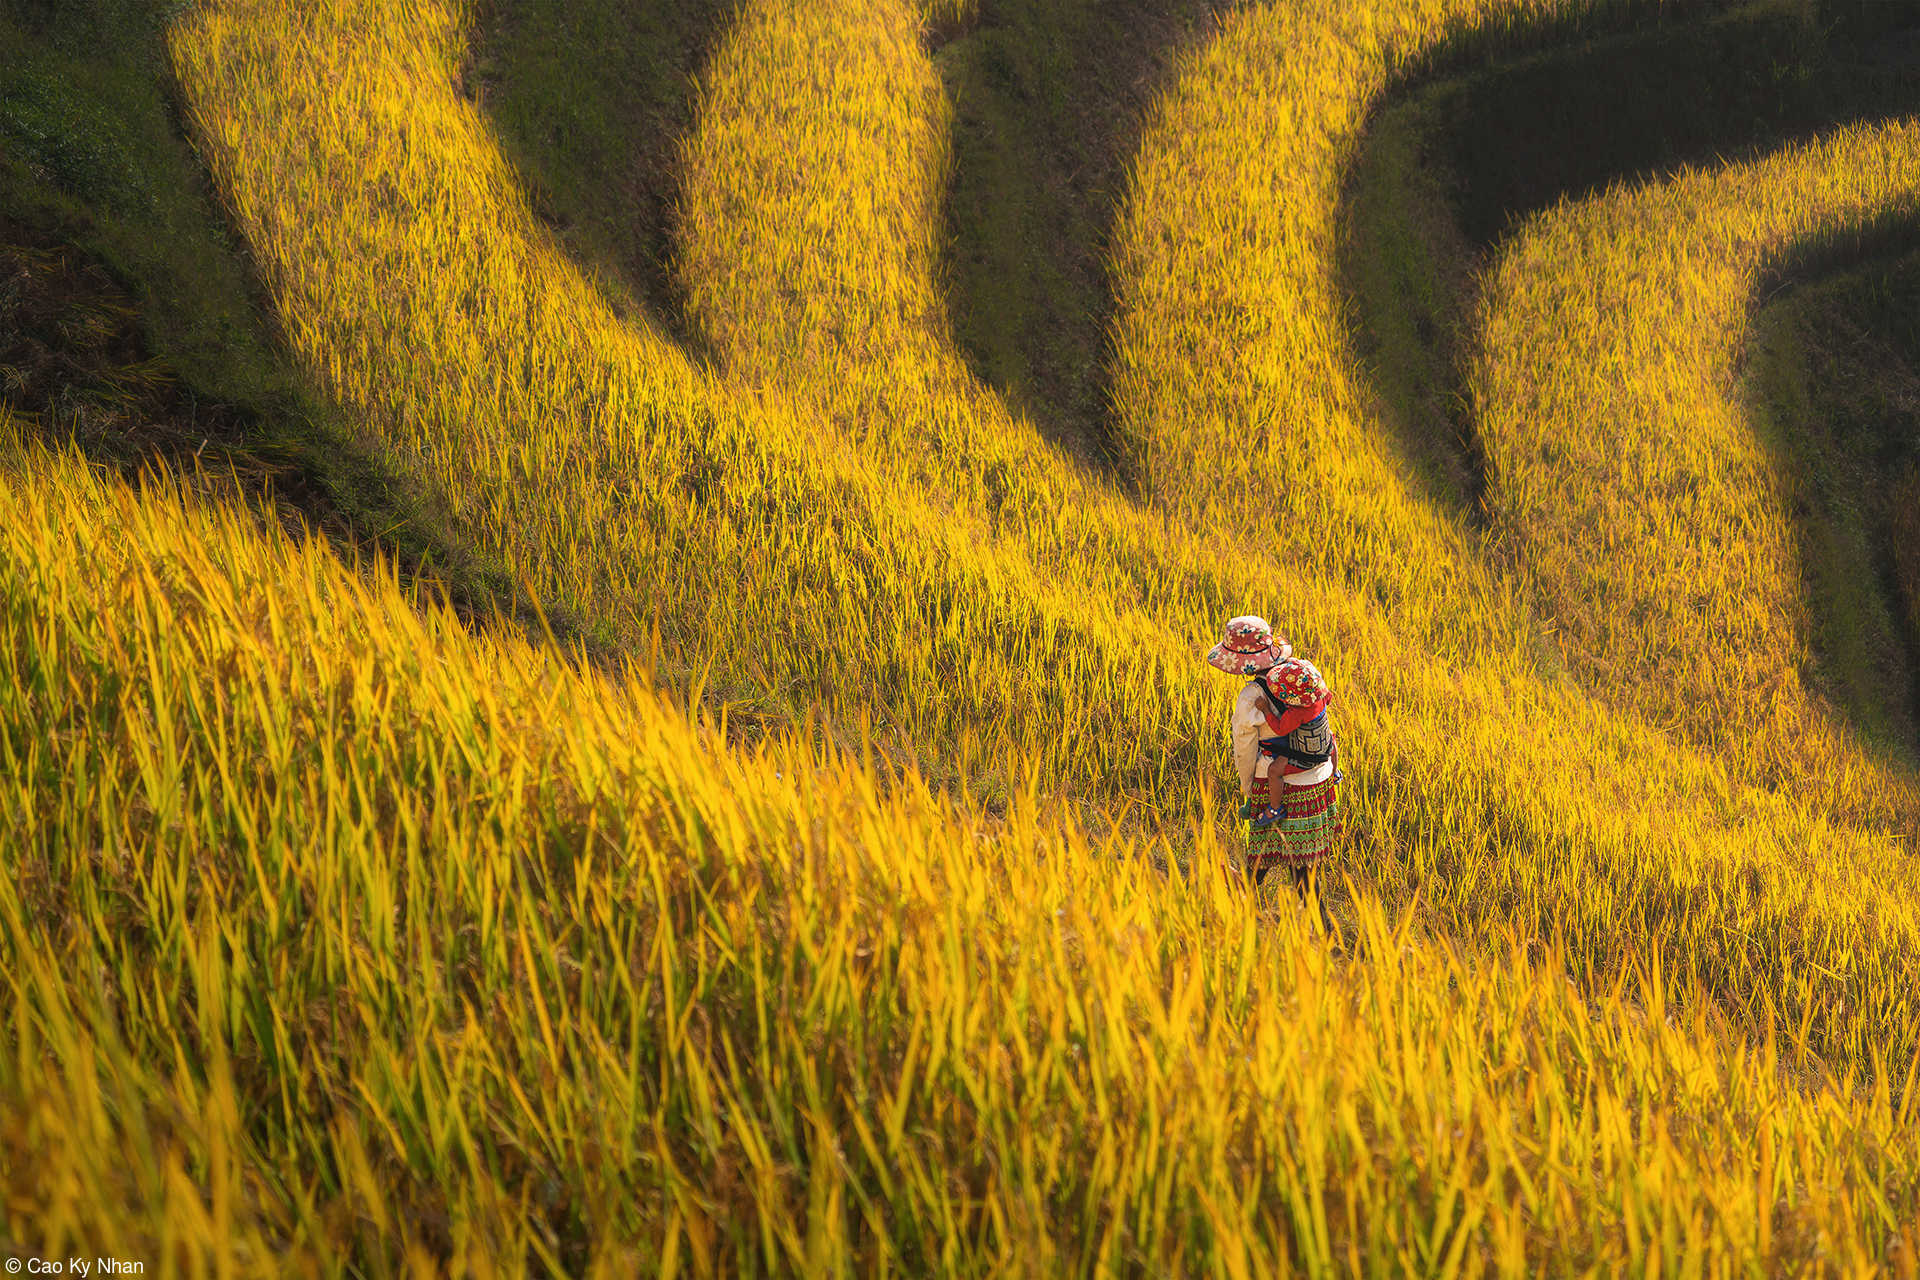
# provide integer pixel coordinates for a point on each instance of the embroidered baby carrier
(1296, 682)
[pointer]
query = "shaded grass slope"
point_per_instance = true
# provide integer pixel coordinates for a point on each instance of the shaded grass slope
(131, 320)
(591, 104)
(1448, 169)
(1048, 100)
(1834, 370)
(1705, 84)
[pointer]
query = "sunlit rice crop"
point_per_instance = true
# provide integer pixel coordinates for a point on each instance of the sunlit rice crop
(394, 938)
(333, 921)
(1640, 501)
(991, 627)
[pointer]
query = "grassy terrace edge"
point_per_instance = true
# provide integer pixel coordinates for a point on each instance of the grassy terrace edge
(139, 332)
(1472, 144)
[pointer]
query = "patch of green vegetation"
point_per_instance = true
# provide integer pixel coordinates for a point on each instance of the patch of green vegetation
(132, 323)
(96, 159)
(1631, 92)
(1048, 97)
(590, 101)
(72, 141)
(1833, 375)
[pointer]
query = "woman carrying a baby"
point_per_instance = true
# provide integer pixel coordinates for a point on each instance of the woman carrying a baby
(1284, 747)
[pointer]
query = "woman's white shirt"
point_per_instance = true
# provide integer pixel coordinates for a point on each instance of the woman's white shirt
(1319, 773)
(1249, 726)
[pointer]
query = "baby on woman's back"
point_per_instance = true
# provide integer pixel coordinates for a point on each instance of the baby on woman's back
(1285, 750)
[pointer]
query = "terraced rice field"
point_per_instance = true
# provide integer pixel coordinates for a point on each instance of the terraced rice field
(833, 871)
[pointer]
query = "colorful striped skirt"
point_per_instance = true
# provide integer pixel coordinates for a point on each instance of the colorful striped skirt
(1302, 837)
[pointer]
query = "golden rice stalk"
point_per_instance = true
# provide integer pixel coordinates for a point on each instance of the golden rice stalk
(397, 947)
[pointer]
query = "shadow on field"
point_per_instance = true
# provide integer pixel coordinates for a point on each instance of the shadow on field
(1049, 97)
(1833, 374)
(133, 325)
(591, 102)
(1472, 143)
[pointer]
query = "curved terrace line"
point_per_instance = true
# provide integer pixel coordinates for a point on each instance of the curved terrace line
(1453, 160)
(1451, 168)
(1048, 101)
(593, 103)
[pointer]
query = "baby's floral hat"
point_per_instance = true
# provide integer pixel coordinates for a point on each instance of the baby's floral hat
(1249, 645)
(1296, 682)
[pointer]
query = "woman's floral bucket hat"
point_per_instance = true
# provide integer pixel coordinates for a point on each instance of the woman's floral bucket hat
(1248, 646)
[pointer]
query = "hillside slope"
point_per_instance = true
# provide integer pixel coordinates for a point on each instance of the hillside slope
(443, 946)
